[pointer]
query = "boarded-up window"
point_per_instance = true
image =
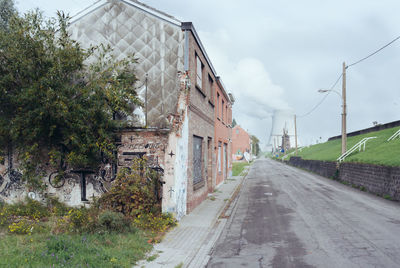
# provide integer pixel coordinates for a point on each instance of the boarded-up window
(210, 89)
(219, 158)
(225, 159)
(197, 159)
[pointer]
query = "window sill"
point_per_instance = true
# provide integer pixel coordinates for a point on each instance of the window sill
(198, 185)
(200, 90)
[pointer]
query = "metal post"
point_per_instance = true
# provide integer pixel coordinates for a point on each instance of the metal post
(83, 186)
(344, 134)
(145, 97)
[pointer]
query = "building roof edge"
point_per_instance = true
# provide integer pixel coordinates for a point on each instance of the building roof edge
(188, 26)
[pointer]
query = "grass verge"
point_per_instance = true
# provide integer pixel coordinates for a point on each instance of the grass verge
(238, 167)
(73, 250)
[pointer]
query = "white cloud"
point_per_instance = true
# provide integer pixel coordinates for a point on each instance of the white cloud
(250, 82)
(279, 53)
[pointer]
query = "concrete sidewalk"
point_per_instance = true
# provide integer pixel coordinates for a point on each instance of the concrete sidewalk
(188, 244)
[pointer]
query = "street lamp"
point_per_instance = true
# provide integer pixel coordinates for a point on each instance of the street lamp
(343, 97)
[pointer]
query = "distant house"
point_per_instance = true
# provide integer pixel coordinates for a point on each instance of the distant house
(241, 143)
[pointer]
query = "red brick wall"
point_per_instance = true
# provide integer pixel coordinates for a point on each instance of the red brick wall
(223, 134)
(240, 140)
(136, 142)
(201, 124)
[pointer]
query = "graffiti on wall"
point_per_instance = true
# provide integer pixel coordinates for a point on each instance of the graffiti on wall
(70, 186)
(148, 145)
(10, 177)
(75, 186)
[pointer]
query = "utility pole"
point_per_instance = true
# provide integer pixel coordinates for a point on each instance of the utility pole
(344, 134)
(295, 133)
(145, 100)
(274, 150)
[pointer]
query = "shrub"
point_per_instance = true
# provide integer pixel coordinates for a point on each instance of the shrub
(78, 219)
(55, 207)
(155, 223)
(23, 226)
(30, 208)
(4, 215)
(113, 221)
(134, 192)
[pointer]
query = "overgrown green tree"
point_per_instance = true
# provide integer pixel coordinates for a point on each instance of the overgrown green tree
(7, 10)
(256, 145)
(54, 106)
(234, 122)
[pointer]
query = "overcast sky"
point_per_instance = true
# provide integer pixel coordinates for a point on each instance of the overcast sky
(277, 54)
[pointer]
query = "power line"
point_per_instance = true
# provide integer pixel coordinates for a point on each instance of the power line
(352, 64)
(373, 53)
(323, 99)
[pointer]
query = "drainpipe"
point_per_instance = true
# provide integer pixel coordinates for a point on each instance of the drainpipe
(186, 56)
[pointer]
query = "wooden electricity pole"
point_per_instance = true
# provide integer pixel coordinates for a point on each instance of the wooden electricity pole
(344, 134)
(295, 133)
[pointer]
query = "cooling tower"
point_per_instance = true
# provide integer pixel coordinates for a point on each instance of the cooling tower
(282, 119)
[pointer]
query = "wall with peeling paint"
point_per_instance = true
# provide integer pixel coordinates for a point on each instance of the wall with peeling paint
(67, 190)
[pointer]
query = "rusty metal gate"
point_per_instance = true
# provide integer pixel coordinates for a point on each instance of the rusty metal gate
(197, 159)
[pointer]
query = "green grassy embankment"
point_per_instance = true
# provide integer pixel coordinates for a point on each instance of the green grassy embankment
(377, 151)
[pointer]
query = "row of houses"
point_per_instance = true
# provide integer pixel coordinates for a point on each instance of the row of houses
(185, 126)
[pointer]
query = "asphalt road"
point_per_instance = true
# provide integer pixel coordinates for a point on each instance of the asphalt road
(286, 217)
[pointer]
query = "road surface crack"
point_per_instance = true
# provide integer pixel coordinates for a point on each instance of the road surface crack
(260, 261)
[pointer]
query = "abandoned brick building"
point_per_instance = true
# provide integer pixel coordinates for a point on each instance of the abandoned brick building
(183, 98)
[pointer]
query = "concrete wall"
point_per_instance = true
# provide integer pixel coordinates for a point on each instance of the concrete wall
(380, 180)
(368, 130)
(68, 190)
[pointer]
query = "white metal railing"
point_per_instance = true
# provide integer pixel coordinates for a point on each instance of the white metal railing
(395, 135)
(359, 145)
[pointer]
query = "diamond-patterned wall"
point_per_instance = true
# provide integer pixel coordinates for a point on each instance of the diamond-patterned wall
(157, 44)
